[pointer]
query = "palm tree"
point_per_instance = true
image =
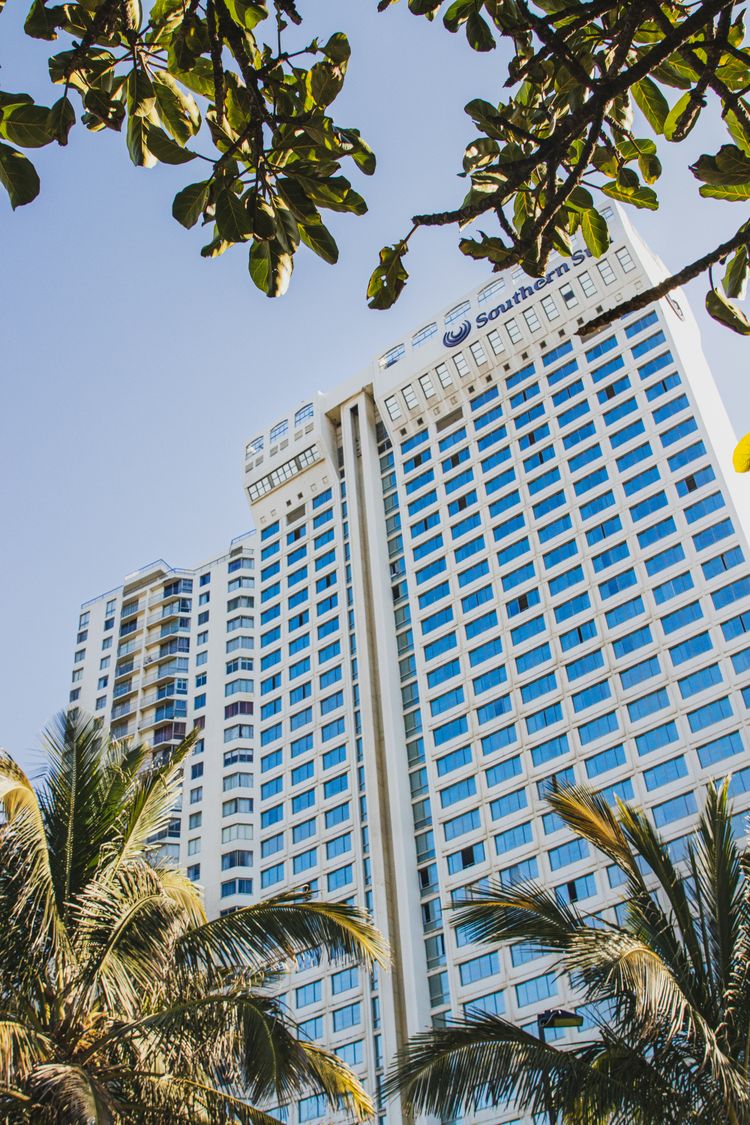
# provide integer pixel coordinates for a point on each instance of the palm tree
(119, 1000)
(668, 989)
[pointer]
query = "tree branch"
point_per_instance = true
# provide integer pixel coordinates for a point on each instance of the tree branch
(656, 292)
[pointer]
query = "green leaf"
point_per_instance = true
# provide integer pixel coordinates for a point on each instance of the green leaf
(337, 48)
(7, 100)
(42, 22)
(335, 193)
(595, 232)
(199, 77)
(478, 33)
(262, 215)
(458, 13)
(232, 216)
(719, 308)
(246, 13)
(580, 199)
(486, 117)
(270, 267)
(483, 150)
(62, 118)
(164, 148)
(730, 165)
(650, 167)
(216, 247)
(389, 277)
(682, 117)
(321, 241)
(189, 204)
(736, 128)
(735, 279)
(424, 7)
(18, 176)
(141, 95)
(733, 193)
(642, 197)
(491, 249)
(362, 154)
(178, 110)
(297, 200)
(26, 125)
(651, 102)
(137, 140)
(325, 81)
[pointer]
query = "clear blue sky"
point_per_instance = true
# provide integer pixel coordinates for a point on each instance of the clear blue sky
(133, 370)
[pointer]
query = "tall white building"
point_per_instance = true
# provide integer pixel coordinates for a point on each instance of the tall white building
(500, 557)
(165, 652)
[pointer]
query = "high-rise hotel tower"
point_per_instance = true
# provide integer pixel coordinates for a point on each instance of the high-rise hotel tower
(502, 556)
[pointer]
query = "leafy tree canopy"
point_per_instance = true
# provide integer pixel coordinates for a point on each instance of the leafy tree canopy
(121, 1001)
(591, 93)
(664, 985)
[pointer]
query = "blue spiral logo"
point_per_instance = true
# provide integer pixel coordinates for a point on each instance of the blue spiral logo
(453, 339)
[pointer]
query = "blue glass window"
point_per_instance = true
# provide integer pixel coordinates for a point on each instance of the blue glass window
(694, 646)
(731, 593)
(686, 615)
(657, 737)
(503, 771)
(711, 713)
(638, 673)
(552, 748)
(604, 761)
(632, 641)
(698, 681)
(674, 809)
(578, 635)
(539, 720)
(725, 747)
(498, 740)
(459, 791)
(648, 704)
(671, 588)
(598, 727)
(584, 665)
(612, 555)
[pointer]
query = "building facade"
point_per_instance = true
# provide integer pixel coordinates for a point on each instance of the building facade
(168, 651)
(503, 556)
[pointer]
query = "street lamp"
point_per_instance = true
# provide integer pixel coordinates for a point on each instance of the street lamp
(554, 1017)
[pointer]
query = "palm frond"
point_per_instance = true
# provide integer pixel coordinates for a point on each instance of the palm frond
(125, 932)
(477, 1061)
(71, 801)
(591, 817)
(149, 806)
(21, 1049)
(282, 926)
(678, 946)
(720, 887)
(29, 883)
(72, 1094)
(188, 1100)
(526, 912)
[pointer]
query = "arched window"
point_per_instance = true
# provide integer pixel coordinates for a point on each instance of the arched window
(304, 414)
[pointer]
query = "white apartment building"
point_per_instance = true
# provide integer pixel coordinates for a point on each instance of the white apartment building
(168, 651)
(500, 557)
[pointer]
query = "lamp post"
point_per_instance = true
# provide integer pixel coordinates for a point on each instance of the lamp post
(554, 1017)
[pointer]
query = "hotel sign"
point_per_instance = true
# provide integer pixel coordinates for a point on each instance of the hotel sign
(452, 339)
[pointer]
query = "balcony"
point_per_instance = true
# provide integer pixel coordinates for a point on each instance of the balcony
(128, 688)
(121, 709)
(126, 668)
(164, 671)
(175, 732)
